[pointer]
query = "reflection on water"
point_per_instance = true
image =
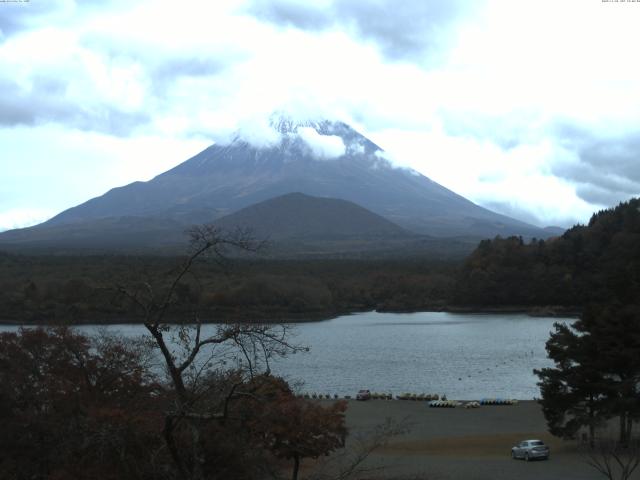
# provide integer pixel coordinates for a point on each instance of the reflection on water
(395, 324)
(465, 356)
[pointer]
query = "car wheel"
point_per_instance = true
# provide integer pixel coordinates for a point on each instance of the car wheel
(513, 455)
(526, 456)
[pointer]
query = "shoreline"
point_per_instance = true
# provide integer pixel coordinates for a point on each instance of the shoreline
(546, 311)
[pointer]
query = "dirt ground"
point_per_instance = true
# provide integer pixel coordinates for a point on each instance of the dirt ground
(465, 444)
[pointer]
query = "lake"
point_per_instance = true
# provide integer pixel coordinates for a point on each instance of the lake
(465, 356)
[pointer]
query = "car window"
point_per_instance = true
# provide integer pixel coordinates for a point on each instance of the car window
(536, 443)
(523, 444)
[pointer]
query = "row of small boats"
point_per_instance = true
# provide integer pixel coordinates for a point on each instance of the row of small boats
(319, 396)
(443, 404)
(498, 401)
(419, 396)
(472, 404)
(434, 399)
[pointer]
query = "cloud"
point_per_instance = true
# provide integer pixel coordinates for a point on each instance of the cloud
(407, 30)
(596, 195)
(267, 131)
(68, 85)
(307, 15)
(94, 71)
(355, 148)
(323, 147)
(189, 66)
(470, 94)
(601, 167)
(512, 181)
(45, 101)
(258, 132)
(605, 169)
(386, 159)
(50, 168)
(163, 64)
(18, 17)
(23, 217)
(517, 210)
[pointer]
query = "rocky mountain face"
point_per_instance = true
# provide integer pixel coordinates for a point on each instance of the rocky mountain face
(321, 159)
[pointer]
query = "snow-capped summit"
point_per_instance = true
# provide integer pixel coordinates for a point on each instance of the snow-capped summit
(321, 158)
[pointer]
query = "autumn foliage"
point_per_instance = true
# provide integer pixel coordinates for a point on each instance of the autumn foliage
(77, 407)
(293, 428)
(71, 406)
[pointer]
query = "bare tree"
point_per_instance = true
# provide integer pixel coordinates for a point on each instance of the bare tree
(206, 365)
(612, 459)
(350, 462)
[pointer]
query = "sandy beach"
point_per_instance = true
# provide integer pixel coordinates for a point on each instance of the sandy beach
(465, 444)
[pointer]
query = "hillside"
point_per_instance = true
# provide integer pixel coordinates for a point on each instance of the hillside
(127, 233)
(300, 216)
(599, 262)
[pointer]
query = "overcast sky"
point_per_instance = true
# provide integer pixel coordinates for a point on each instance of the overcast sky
(528, 107)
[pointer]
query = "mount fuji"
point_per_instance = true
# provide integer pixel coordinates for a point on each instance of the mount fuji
(322, 159)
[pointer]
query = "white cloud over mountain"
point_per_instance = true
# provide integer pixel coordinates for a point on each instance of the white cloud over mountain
(529, 108)
(322, 146)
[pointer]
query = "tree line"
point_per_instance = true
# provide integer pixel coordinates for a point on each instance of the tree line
(593, 263)
(595, 380)
(587, 264)
(71, 289)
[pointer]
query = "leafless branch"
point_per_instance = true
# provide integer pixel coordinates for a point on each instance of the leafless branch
(201, 394)
(349, 463)
(613, 460)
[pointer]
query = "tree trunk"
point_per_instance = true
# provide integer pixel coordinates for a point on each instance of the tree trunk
(623, 428)
(197, 454)
(296, 467)
(171, 445)
(592, 432)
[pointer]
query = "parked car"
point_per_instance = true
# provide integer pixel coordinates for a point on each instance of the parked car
(363, 395)
(530, 449)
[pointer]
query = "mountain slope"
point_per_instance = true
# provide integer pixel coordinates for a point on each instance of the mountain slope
(128, 233)
(299, 216)
(322, 159)
(226, 178)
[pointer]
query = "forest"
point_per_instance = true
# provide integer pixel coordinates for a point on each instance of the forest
(594, 263)
(82, 289)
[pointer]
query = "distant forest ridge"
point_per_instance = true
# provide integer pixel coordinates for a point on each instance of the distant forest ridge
(594, 263)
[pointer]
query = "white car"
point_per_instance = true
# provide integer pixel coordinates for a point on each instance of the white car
(530, 449)
(363, 395)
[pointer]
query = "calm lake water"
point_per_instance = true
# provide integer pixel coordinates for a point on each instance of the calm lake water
(465, 356)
